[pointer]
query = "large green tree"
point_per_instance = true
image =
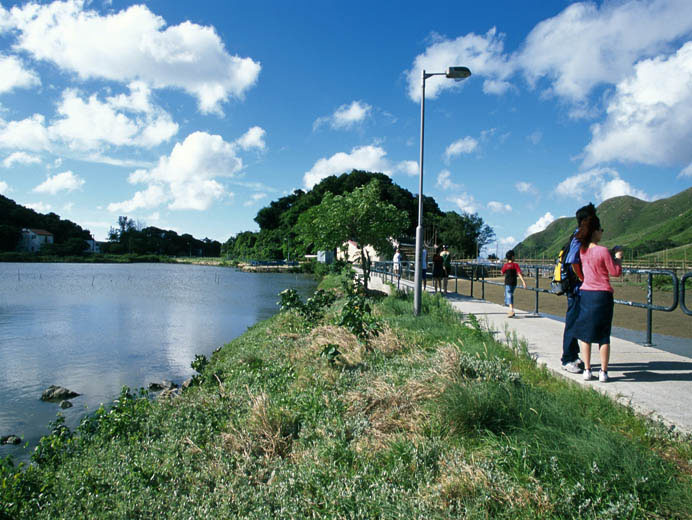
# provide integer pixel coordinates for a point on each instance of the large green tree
(465, 234)
(360, 216)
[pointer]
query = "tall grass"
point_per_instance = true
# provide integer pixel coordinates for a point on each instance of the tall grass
(432, 418)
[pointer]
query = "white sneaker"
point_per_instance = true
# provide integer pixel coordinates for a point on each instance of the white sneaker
(603, 376)
(587, 375)
(572, 367)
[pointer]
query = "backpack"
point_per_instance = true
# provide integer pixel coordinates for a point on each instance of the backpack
(564, 279)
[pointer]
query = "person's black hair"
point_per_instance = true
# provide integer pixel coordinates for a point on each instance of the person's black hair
(585, 211)
(587, 228)
(510, 254)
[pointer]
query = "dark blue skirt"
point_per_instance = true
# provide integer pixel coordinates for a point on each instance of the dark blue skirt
(595, 317)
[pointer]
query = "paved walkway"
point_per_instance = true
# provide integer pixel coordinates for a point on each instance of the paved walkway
(653, 380)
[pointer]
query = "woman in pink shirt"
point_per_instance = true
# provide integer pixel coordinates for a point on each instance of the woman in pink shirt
(596, 302)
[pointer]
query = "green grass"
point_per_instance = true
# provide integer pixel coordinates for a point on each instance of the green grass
(431, 419)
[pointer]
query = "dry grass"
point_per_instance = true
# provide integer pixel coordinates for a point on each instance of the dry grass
(268, 433)
(387, 342)
(391, 411)
(351, 350)
(463, 481)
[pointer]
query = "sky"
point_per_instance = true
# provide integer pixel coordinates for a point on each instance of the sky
(193, 116)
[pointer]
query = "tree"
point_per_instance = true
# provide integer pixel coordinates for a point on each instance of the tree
(463, 234)
(360, 216)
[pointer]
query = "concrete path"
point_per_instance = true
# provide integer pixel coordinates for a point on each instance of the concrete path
(656, 381)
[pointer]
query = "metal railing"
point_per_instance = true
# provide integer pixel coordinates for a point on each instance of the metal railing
(474, 271)
(683, 303)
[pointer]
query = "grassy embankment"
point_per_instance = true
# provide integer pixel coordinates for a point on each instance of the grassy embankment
(299, 418)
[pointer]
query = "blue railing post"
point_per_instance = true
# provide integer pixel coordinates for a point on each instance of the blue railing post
(473, 272)
(456, 278)
(649, 310)
(535, 310)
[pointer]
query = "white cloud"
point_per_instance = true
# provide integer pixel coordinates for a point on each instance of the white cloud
(20, 158)
(40, 207)
(187, 178)
(649, 118)
(4, 187)
(535, 137)
(68, 207)
(444, 181)
(499, 207)
(65, 181)
(525, 187)
(408, 167)
(345, 117)
(464, 145)
(27, 134)
(540, 224)
(465, 202)
(507, 241)
(123, 120)
(483, 54)
(686, 172)
(601, 183)
(586, 45)
(253, 138)
(133, 44)
(256, 197)
(14, 75)
(370, 158)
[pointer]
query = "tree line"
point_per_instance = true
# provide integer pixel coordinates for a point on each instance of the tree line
(284, 235)
(132, 237)
(69, 238)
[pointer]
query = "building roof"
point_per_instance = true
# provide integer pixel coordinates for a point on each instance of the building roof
(41, 232)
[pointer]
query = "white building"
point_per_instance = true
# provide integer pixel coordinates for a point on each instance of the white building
(33, 239)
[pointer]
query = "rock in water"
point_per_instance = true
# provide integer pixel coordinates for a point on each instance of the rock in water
(10, 439)
(57, 393)
(65, 404)
(162, 385)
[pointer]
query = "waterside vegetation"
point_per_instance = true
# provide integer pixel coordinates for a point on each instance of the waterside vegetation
(346, 406)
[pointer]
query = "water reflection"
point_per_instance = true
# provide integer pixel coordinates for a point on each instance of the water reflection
(95, 328)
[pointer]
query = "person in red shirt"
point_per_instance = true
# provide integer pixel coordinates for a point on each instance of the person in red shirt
(595, 319)
(511, 270)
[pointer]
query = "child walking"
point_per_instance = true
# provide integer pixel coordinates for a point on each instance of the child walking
(511, 270)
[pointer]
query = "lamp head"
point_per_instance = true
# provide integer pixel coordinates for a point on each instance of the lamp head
(458, 73)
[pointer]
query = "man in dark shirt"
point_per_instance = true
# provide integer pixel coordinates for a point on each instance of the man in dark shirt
(570, 346)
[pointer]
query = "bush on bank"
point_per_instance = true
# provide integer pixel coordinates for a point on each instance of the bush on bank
(424, 417)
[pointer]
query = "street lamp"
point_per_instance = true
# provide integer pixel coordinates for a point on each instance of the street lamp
(458, 74)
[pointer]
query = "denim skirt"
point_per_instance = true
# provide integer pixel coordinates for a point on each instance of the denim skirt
(509, 294)
(595, 317)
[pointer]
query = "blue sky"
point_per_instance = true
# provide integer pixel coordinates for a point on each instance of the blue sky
(194, 115)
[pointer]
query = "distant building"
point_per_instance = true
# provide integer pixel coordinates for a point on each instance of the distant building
(350, 252)
(33, 239)
(92, 246)
(325, 257)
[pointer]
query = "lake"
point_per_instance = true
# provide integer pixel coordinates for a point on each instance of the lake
(96, 327)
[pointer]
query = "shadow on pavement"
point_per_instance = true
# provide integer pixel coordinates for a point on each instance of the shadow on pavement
(652, 371)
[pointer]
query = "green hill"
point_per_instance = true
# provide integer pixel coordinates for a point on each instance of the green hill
(640, 227)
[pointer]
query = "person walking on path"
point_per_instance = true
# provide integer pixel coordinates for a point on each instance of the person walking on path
(424, 266)
(511, 270)
(396, 261)
(447, 264)
(596, 302)
(438, 270)
(570, 345)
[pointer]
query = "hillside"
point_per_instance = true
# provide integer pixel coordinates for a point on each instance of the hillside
(640, 227)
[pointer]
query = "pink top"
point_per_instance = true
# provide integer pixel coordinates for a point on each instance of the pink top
(597, 263)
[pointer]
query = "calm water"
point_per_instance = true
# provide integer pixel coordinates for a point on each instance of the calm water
(95, 328)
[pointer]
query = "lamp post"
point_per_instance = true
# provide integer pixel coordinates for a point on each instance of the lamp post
(458, 74)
